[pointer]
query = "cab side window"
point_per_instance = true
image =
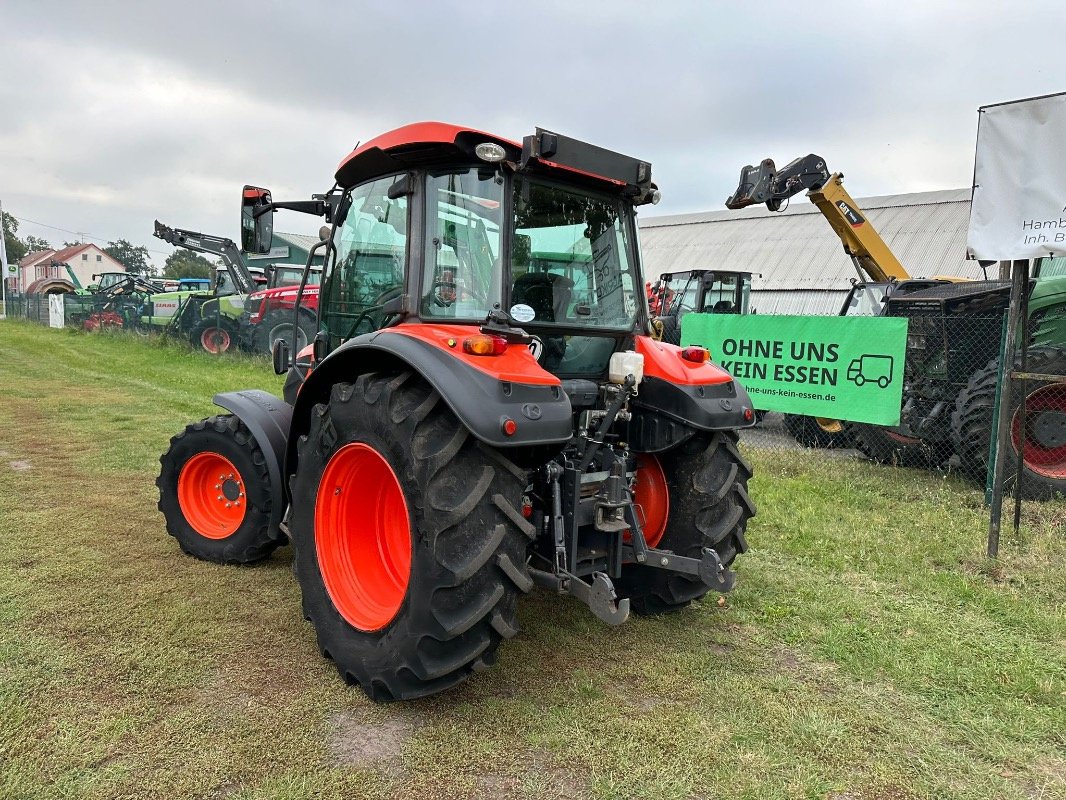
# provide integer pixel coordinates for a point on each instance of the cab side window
(368, 265)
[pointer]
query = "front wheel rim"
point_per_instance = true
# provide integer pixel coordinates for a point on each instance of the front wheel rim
(363, 537)
(215, 340)
(284, 331)
(211, 495)
(827, 425)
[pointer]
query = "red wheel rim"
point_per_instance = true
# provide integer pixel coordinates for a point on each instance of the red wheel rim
(215, 340)
(363, 537)
(1049, 461)
(652, 497)
(211, 495)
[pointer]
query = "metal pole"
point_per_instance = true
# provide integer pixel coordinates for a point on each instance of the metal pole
(1018, 285)
(3, 267)
(1023, 388)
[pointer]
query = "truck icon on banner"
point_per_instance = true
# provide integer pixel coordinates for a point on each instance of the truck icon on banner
(871, 369)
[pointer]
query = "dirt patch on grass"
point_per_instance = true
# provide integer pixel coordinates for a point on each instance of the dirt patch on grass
(354, 742)
(540, 778)
(20, 466)
(1046, 777)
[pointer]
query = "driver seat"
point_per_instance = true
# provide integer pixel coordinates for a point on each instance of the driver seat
(547, 293)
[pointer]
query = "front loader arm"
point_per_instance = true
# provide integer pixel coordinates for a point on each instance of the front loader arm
(766, 184)
(215, 245)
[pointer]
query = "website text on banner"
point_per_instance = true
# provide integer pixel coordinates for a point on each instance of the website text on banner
(848, 368)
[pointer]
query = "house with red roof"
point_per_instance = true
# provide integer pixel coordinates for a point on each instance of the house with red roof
(71, 268)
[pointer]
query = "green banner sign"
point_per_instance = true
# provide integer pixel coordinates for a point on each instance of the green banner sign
(848, 368)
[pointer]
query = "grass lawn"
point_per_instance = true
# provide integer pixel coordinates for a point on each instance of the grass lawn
(868, 651)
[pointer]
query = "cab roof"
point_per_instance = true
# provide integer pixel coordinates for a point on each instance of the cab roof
(414, 144)
(424, 143)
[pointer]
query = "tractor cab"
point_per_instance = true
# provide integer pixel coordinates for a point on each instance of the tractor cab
(701, 291)
(453, 226)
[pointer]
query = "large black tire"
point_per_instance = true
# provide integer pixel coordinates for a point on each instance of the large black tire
(1044, 467)
(214, 335)
(818, 433)
(277, 324)
(707, 481)
(468, 539)
(197, 523)
(885, 446)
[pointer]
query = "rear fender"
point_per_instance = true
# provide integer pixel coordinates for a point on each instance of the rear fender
(268, 419)
(678, 397)
(480, 400)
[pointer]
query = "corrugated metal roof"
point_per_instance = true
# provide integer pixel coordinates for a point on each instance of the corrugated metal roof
(796, 248)
(798, 301)
(305, 243)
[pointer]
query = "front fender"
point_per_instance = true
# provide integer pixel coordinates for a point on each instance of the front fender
(269, 419)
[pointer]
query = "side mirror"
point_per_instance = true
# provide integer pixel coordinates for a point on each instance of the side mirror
(257, 220)
(280, 355)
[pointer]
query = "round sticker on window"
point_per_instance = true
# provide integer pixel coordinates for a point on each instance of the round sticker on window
(520, 312)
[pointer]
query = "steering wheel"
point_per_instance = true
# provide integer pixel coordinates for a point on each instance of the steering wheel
(379, 302)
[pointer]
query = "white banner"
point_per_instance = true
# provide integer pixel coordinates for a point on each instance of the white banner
(1019, 193)
(55, 311)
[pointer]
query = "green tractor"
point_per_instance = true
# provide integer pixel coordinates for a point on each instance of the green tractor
(211, 319)
(952, 371)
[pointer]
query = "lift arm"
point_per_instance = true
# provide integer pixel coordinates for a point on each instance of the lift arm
(215, 245)
(765, 184)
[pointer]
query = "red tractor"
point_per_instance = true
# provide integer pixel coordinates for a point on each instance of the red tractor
(482, 410)
(268, 313)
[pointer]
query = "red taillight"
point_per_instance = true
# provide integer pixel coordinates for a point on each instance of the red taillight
(508, 426)
(485, 345)
(749, 415)
(696, 354)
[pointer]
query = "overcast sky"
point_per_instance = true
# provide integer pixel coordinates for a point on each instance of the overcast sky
(118, 113)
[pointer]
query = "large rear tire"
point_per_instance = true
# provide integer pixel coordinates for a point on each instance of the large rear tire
(409, 547)
(1044, 465)
(817, 432)
(214, 335)
(214, 492)
(706, 480)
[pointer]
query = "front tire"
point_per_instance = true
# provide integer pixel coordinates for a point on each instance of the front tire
(214, 492)
(708, 506)
(409, 548)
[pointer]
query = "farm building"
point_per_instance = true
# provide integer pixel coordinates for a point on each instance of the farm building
(287, 248)
(68, 269)
(798, 263)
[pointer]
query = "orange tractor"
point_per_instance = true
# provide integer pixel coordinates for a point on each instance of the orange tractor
(482, 410)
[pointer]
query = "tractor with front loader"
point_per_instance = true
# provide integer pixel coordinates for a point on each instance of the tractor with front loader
(482, 410)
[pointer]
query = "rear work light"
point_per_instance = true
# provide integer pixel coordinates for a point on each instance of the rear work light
(696, 354)
(485, 345)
